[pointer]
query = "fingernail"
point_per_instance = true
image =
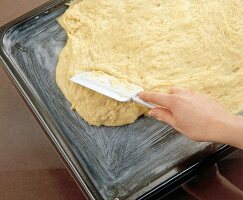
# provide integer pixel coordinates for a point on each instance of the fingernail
(141, 94)
(152, 113)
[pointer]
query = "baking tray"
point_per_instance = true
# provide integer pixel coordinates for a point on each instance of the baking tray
(146, 159)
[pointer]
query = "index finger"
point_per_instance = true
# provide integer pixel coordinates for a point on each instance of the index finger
(159, 99)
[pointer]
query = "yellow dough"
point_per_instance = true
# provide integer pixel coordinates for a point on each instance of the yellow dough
(155, 44)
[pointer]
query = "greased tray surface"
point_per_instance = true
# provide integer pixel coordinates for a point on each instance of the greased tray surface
(109, 162)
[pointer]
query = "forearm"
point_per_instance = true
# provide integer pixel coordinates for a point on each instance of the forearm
(230, 131)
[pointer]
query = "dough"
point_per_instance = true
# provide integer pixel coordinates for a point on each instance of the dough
(155, 44)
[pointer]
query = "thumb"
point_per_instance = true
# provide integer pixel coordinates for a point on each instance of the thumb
(162, 114)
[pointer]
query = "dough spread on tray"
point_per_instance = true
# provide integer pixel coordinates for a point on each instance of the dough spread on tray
(154, 44)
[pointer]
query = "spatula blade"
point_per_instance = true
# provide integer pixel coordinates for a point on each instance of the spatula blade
(118, 89)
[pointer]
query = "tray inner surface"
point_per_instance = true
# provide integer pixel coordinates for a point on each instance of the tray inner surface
(122, 161)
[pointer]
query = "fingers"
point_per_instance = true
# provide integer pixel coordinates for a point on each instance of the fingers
(159, 99)
(163, 115)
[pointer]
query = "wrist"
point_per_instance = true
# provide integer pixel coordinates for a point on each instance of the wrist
(231, 131)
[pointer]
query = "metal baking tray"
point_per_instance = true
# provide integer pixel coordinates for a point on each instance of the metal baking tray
(146, 159)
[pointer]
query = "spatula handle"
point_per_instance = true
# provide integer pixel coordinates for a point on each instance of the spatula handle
(145, 103)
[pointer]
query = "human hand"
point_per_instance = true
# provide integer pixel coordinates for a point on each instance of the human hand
(194, 115)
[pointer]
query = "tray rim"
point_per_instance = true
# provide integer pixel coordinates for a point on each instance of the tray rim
(49, 126)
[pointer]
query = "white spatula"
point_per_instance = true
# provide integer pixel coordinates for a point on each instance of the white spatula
(118, 89)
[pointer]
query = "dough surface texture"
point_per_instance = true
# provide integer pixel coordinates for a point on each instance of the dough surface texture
(154, 44)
